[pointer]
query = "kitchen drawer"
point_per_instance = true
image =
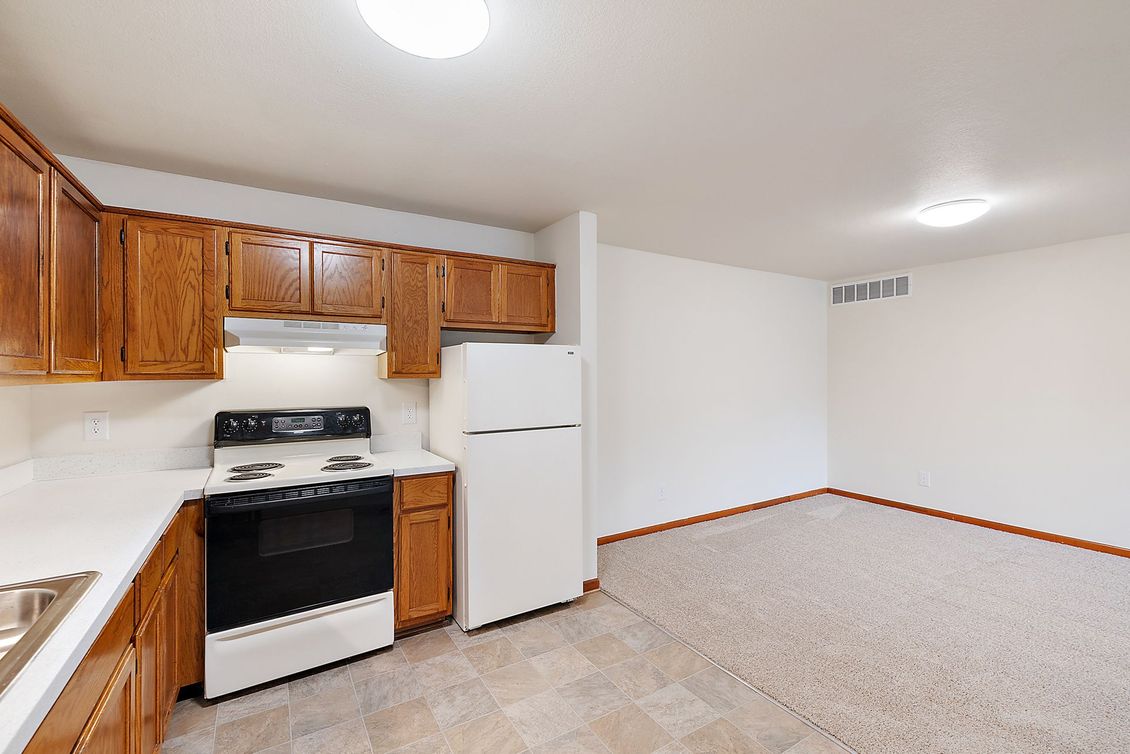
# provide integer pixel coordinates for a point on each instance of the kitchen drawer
(423, 491)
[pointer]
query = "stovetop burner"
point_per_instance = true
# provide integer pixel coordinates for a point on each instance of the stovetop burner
(245, 467)
(348, 466)
(246, 477)
(344, 458)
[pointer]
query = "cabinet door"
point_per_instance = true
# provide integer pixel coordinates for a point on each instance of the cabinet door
(525, 296)
(111, 730)
(171, 320)
(146, 640)
(269, 273)
(423, 566)
(75, 258)
(167, 681)
(413, 323)
(24, 196)
(471, 291)
(347, 280)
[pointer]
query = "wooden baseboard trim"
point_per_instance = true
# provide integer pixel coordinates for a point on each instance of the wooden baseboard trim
(707, 516)
(590, 585)
(1084, 544)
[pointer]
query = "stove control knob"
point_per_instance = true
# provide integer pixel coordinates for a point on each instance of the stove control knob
(357, 422)
(231, 426)
(342, 421)
(250, 424)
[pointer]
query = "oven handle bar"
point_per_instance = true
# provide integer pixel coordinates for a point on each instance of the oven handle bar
(337, 494)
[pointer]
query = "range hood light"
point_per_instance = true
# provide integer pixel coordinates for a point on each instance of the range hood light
(315, 350)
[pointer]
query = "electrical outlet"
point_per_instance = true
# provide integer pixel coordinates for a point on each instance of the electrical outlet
(923, 478)
(96, 425)
(662, 494)
(408, 412)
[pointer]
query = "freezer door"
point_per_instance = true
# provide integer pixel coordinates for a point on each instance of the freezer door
(519, 524)
(521, 386)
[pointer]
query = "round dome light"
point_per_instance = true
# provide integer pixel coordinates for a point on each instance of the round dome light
(948, 214)
(428, 28)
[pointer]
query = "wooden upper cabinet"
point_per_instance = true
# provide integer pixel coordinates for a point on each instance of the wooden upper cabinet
(171, 317)
(75, 260)
(471, 291)
(527, 296)
(414, 316)
(348, 280)
(24, 210)
(269, 273)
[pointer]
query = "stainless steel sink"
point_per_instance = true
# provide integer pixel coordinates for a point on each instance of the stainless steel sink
(30, 612)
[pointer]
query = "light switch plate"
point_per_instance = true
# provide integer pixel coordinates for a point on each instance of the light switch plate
(96, 426)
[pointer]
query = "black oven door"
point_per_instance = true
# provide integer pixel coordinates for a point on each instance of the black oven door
(277, 552)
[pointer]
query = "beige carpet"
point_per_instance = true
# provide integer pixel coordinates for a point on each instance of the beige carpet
(897, 632)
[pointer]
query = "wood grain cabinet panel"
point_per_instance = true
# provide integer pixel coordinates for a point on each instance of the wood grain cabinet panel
(112, 728)
(190, 594)
(414, 317)
(471, 291)
(526, 298)
(269, 273)
(348, 280)
(423, 549)
(75, 259)
(171, 318)
(24, 211)
(423, 578)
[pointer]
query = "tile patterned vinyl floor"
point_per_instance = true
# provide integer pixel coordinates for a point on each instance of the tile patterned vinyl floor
(590, 676)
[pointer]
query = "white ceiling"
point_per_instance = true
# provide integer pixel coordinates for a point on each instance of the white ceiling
(787, 135)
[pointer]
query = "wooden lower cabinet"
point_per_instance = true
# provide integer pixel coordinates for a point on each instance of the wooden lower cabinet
(122, 694)
(112, 728)
(423, 562)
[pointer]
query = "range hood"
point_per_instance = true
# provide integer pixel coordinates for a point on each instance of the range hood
(253, 335)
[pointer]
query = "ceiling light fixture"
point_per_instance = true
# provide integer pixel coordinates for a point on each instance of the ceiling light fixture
(957, 212)
(428, 28)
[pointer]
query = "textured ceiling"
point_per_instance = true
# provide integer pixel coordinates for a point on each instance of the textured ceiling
(793, 135)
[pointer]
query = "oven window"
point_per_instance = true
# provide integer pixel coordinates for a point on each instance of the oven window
(307, 531)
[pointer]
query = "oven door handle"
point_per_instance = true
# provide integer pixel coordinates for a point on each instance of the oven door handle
(376, 494)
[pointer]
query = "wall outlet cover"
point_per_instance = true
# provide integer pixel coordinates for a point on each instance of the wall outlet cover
(408, 412)
(924, 478)
(96, 426)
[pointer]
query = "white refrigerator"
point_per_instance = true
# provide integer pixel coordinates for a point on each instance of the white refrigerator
(509, 416)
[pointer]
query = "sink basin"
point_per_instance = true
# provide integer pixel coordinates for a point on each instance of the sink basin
(30, 612)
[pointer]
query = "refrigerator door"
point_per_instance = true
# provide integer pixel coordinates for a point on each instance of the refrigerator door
(521, 386)
(518, 524)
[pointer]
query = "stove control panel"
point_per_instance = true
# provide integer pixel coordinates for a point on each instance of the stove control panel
(259, 427)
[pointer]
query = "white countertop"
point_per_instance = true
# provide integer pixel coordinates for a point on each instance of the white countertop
(107, 524)
(412, 462)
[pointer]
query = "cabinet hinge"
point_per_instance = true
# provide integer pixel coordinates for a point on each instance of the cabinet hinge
(445, 270)
(122, 353)
(382, 264)
(227, 248)
(227, 292)
(122, 236)
(382, 303)
(442, 307)
(437, 271)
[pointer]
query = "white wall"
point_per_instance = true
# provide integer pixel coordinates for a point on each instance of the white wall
(712, 387)
(136, 188)
(571, 244)
(15, 440)
(178, 414)
(1007, 377)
